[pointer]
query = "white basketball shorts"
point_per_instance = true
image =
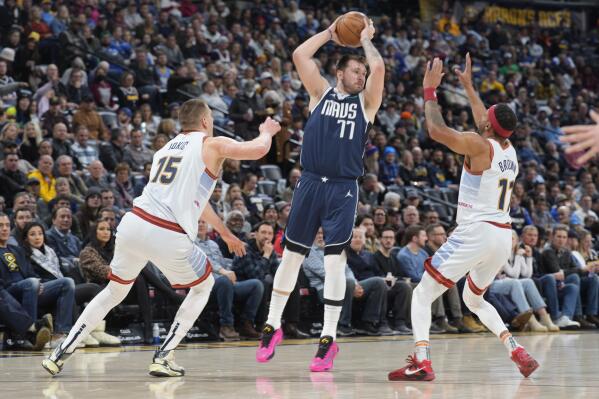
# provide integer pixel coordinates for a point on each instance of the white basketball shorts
(479, 248)
(142, 237)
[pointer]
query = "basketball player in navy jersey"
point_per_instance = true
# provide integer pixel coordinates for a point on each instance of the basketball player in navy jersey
(327, 193)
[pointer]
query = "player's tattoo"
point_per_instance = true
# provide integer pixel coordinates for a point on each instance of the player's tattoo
(432, 112)
(372, 54)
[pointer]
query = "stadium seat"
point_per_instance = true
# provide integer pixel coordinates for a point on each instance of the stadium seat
(267, 187)
(271, 172)
(109, 118)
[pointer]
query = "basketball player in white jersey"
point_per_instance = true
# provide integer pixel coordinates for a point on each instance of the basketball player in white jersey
(481, 243)
(162, 226)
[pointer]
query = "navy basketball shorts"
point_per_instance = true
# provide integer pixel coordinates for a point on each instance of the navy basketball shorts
(321, 201)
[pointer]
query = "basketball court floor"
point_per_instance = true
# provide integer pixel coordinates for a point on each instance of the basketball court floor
(473, 366)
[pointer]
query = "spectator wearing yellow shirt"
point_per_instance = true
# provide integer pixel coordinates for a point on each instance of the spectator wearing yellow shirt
(43, 173)
(491, 83)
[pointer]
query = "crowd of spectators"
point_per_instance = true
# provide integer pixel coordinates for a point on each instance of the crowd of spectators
(91, 89)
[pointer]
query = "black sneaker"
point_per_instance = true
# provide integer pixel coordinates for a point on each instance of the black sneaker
(290, 330)
(403, 328)
(436, 329)
(584, 323)
(368, 328)
(345, 331)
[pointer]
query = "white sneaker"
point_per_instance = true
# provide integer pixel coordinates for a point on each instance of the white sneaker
(565, 322)
(90, 342)
(163, 365)
(105, 339)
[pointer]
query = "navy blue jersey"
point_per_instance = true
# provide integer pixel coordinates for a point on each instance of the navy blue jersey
(335, 136)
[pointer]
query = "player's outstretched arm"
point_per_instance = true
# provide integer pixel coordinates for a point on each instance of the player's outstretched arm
(467, 143)
(373, 92)
(235, 244)
(306, 67)
(479, 111)
(583, 138)
(224, 147)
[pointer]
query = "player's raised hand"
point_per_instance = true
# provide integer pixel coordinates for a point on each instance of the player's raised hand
(368, 31)
(234, 244)
(465, 76)
(270, 126)
(333, 31)
(583, 138)
(433, 74)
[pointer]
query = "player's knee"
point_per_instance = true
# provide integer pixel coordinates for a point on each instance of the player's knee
(472, 301)
(420, 295)
(117, 291)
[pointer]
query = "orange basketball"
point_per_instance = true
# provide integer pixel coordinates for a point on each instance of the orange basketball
(349, 27)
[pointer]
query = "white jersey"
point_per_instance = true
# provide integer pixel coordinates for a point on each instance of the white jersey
(180, 184)
(485, 197)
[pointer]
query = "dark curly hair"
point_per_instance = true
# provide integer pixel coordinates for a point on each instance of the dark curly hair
(505, 117)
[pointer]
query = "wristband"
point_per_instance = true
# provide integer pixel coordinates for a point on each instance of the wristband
(430, 94)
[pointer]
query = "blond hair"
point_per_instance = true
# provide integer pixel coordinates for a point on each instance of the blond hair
(191, 112)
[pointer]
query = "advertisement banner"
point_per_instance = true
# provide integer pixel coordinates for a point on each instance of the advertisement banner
(521, 15)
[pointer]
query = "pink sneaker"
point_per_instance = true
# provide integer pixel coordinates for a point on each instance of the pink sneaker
(270, 339)
(327, 350)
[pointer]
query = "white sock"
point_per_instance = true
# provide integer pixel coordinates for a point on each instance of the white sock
(427, 291)
(508, 341)
(283, 284)
(94, 313)
(331, 319)
(188, 312)
(423, 351)
(334, 292)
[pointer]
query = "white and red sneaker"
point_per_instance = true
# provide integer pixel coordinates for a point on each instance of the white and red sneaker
(414, 371)
(524, 361)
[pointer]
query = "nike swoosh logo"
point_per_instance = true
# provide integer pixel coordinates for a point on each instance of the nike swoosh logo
(408, 372)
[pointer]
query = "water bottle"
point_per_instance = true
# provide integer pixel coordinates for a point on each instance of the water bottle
(156, 334)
